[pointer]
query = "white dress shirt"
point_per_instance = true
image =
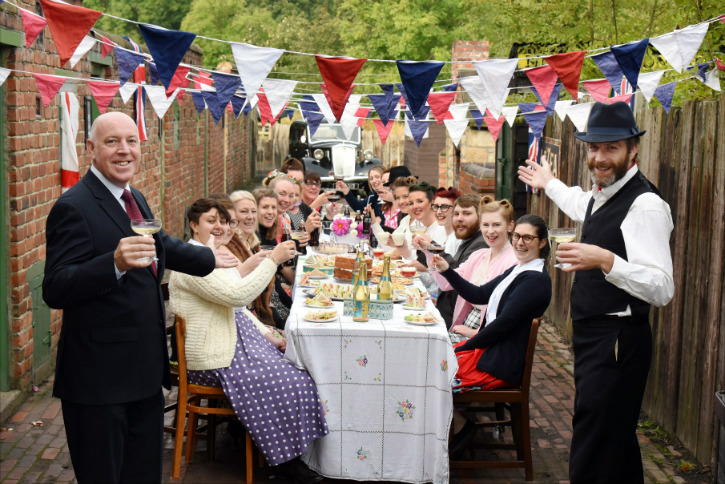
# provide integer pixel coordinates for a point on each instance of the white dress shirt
(646, 229)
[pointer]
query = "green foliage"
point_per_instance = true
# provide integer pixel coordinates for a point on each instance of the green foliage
(168, 14)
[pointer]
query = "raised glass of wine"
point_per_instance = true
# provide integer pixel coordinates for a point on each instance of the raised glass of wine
(561, 236)
(146, 227)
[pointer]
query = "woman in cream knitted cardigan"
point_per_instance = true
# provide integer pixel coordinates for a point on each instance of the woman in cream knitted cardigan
(226, 345)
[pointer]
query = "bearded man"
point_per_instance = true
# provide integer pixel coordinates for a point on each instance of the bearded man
(623, 266)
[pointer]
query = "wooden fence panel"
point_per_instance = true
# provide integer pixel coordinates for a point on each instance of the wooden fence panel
(683, 153)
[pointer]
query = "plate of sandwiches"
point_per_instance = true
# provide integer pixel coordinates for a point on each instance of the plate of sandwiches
(322, 316)
(319, 301)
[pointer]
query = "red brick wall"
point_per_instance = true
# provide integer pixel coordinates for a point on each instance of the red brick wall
(32, 147)
(470, 183)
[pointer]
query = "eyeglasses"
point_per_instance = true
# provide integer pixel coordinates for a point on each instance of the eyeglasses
(527, 238)
(312, 184)
(443, 208)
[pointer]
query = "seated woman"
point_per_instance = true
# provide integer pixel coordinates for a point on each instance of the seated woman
(495, 356)
(483, 265)
(245, 207)
(221, 341)
(442, 207)
(375, 182)
(420, 199)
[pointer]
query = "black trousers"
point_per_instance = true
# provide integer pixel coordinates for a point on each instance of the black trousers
(116, 443)
(611, 361)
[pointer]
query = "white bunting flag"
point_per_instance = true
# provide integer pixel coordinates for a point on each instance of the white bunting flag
(4, 73)
(459, 111)
(711, 79)
(456, 128)
(127, 91)
(348, 121)
(509, 113)
(254, 64)
(679, 47)
(579, 114)
(561, 108)
(495, 76)
(325, 109)
(648, 82)
(278, 92)
(86, 44)
(157, 96)
(475, 89)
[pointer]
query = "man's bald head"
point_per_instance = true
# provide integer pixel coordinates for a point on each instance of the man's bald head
(114, 147)
(109, 117)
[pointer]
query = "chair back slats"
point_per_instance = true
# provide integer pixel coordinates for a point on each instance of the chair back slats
(529, 362)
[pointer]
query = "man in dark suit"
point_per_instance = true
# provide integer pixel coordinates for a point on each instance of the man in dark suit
(112, 356)
(623, 267)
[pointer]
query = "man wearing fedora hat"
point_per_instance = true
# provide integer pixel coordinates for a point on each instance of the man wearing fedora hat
(623, 266)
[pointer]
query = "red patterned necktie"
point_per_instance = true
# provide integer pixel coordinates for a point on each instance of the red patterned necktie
(134, 214)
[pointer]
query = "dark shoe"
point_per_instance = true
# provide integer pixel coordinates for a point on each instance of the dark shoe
(461, 440)
(297, 472)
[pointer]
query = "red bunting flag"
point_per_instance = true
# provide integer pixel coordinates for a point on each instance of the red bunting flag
(361, 114)
(568, 67)
(68, 24)
(544, 80)
(33, 25)
(494, 125)
(48, 86)
(599, 89)
(338, 74)
(178, 80)
(383, 129)
(103, 93)
(439, 103)
(622, 97)
(106, 46)
(265, 110)
(719, 64)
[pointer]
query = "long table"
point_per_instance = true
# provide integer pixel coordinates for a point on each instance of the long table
(385, 387)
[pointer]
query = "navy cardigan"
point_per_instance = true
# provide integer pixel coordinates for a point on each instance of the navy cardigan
(505, 338)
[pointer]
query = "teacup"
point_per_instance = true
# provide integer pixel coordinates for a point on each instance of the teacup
(399, 238)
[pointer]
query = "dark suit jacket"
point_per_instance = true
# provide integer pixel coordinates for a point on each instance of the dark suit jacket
(112, 346)
(505, 338)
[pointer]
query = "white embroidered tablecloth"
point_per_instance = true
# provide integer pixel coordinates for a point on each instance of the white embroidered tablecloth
(386, 390)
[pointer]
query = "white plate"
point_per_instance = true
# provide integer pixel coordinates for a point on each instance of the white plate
(321, 320)
(422, 323)
(318, 307)
(413, 308)
(317, 277)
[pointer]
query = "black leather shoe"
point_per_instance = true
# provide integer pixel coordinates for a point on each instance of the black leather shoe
(297, 472)
(461, 440)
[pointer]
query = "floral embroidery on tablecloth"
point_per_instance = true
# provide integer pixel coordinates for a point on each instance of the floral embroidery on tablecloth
(405, 410)
(362, 361)
(379, 342)
(347, 341)
(362, 454)
(325, 407)
(444, 365)
(347, 376)
(379, 377)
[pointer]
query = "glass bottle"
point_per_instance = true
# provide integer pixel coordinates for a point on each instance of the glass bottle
(361, 295)
(385, 288)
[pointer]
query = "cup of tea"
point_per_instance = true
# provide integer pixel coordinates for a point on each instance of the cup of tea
(399, 238)
(382, 238)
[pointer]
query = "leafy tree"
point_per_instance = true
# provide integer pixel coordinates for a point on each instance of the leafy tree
(168, 14)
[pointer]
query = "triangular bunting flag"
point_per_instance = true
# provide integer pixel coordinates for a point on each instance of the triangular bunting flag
(278, 92)
(544, 80)
(456, 129)
(679, 47)
(383, 129)
(106, 46)
(625, 98)
(610, 68)
(439, 103)
(495, 75)
(629, 57)
(494, 125)
(179, 80)
(254, 64)
(380, 104)
(348, 122)
(226, 85)
(561, 108)
(450, 87)
(309, 104)
(4, 73)
(127, 63)
(168, 48)
(68, 25)
(32, 25)
(536, 122)
(86, 44)
(103, 93)
(509, 112)
(459, 111)
(418, 130)
(362, 112)
(213, 105)
(552, 99)
(199, 103)
(154, 76)
(579, 115)
(313, 120)
(477, 117)
(421, 115)
(159, 101)
(127, 90)
(237, 105)
(664, 94)
(530, 107)
(338, 74)
(719, 64)
(599, 89)
(711, 80)
(321, 101)
(265, 112)
(48, 86)
(418, 78)
(648, 82)
(477, 92)
(568, 67)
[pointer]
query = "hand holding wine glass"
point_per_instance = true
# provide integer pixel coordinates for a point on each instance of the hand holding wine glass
(439, 264)
(146, 227)
(436, 249)
(561, 236)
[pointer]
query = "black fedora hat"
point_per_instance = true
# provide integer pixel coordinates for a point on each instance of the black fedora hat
(610, 122)
(397, 172)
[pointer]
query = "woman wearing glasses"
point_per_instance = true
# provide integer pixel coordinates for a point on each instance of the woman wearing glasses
(442, 206)
(494, 357)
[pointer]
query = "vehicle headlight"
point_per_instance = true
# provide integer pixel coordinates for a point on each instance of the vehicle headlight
(368, 154)
(318, 154)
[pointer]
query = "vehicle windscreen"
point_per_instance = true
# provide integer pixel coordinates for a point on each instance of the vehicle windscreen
(326, 132)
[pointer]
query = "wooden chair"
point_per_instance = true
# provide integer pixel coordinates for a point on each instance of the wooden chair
(516, 400)
(190, 400)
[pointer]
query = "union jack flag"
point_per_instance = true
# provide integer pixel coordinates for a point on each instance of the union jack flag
(139, 77)
(535, 155)
(626, 88)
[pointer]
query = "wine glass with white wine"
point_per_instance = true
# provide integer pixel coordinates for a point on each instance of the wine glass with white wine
(561, 236)
(146, 227)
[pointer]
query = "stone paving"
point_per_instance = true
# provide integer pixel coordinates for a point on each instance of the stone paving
(33, 446)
